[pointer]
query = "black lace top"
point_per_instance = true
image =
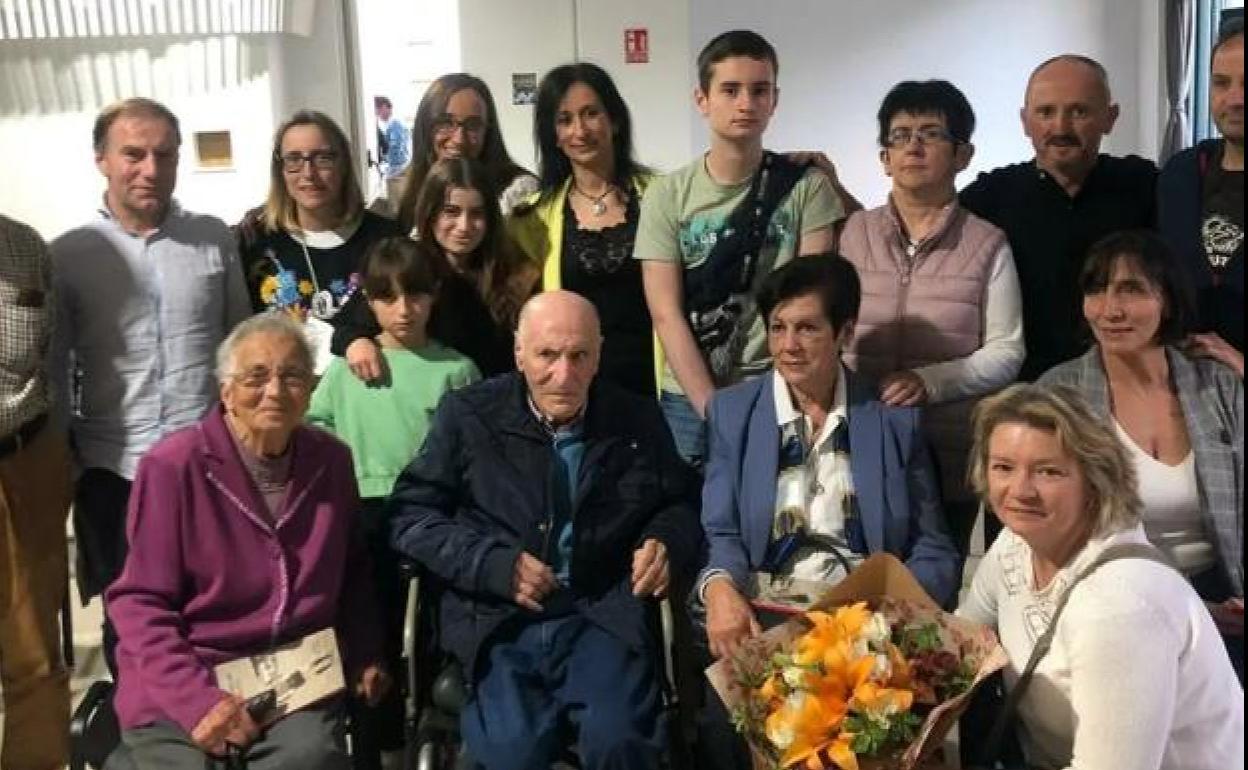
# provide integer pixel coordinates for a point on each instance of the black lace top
(599, 265)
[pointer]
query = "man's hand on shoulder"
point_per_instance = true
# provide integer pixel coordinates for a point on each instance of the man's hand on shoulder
(650, 569)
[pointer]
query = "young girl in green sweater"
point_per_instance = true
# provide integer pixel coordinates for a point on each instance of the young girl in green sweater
(384, 422)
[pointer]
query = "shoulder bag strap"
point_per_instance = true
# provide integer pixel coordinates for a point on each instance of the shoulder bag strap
(1006, 718)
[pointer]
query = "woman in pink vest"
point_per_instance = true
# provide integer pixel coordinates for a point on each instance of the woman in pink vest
(941, 323)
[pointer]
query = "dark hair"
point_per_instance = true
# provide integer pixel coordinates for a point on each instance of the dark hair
(494, 157)
(828, 275)
(1154, 259)
(134, 107)
(381, 101)
(399, 263)
(280, 211)
(928, 97)
(553, 166)
(737, 42)
(502, 274)
(1232, 27)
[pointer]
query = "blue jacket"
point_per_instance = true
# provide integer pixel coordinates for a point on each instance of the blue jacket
(893, 475)
(476, 496)
(1180, 210)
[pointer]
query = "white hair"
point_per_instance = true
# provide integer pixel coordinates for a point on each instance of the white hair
(275, 323)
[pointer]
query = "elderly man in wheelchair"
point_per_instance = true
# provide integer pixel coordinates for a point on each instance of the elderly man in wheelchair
(550, 510)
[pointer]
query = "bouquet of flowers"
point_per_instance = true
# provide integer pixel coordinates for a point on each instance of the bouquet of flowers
(874, 675)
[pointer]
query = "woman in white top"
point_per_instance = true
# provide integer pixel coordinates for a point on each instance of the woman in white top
(1180, 418)
(1136, 677)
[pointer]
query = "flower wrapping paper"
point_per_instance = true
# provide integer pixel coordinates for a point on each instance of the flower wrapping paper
(885, 584)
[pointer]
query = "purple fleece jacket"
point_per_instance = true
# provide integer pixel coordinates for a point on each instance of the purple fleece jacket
(209, 579)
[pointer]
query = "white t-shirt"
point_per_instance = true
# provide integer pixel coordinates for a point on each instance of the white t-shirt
(1171, 514)
(1137, 677)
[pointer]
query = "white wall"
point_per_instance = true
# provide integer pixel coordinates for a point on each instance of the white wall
(51, 91)
(500, 37)
(838, 59)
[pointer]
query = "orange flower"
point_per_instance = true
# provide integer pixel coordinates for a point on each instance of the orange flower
(804, 725)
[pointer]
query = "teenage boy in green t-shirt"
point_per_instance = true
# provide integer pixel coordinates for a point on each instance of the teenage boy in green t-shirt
(385, 424)
(684, 215)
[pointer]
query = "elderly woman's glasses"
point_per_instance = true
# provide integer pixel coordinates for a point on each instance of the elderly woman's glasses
(900, 137)
(291, 380)
(292, 162)
(447, 124)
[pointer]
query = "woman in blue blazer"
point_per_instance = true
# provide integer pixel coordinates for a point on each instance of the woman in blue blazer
(882, 497)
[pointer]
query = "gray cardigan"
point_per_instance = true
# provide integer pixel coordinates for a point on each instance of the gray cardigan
(1212, 399)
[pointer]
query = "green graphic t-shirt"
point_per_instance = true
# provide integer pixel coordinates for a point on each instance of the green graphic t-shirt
(686, 212)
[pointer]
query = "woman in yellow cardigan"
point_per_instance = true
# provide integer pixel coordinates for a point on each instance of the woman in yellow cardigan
(580, 225)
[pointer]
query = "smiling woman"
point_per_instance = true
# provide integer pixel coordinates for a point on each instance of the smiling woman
(1135, 675)
(1178, 413)
(307, 258)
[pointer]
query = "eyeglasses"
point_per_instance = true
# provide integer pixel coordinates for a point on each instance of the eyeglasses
(290, 380)
(900, 137)
(447, 124)
(292, 162)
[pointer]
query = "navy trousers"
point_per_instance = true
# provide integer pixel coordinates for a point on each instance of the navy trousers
(550, 679)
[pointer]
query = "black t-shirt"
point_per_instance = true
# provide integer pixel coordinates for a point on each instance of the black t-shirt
(314, 275)
(1050, 233)
(1222, 214)
(599, 265)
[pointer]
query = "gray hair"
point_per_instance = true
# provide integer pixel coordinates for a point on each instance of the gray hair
(275, 323)
(1085, 436)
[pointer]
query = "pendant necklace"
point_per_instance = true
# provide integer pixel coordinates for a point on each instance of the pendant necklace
(599, 203)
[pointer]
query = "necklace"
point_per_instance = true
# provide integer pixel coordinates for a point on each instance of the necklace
(599, 203)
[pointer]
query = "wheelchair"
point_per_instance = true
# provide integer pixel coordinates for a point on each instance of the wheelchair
(434, 690)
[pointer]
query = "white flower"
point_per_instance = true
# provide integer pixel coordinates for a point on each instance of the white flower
(794, 677)
(780, 733)
(877, 630)
(883, 669)
(862, 647)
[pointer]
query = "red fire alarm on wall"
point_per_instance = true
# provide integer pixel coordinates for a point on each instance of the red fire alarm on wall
(636, 45)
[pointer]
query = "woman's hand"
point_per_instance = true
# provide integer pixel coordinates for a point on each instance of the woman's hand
(373, 685)
(729, 618)
(1210, 345)
(225, 723)
(903, 388)
(364, 359)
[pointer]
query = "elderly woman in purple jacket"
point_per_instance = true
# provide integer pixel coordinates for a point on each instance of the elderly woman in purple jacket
(243, 537)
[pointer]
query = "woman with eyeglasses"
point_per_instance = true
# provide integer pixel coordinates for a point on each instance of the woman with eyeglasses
(941, 323)
(457, 119)
(245, 536)
(305, 258)
(582, 223)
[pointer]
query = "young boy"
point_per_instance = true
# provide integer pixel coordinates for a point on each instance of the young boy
(711, 232)
(385, 426)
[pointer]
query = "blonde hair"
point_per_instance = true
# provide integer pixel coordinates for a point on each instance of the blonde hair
(1083, 435)
(280, 212)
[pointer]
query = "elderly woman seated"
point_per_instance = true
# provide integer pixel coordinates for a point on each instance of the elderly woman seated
(807, 465)
(243, 537)
(1136, 676)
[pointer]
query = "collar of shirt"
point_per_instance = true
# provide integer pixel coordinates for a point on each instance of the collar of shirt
(571, 428)
(328, 239)
(174, 212)
(787, 412)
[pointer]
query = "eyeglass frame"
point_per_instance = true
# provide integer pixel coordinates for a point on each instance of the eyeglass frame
(289, 380)
(321, 160)
(446, 124)
(927, 136)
